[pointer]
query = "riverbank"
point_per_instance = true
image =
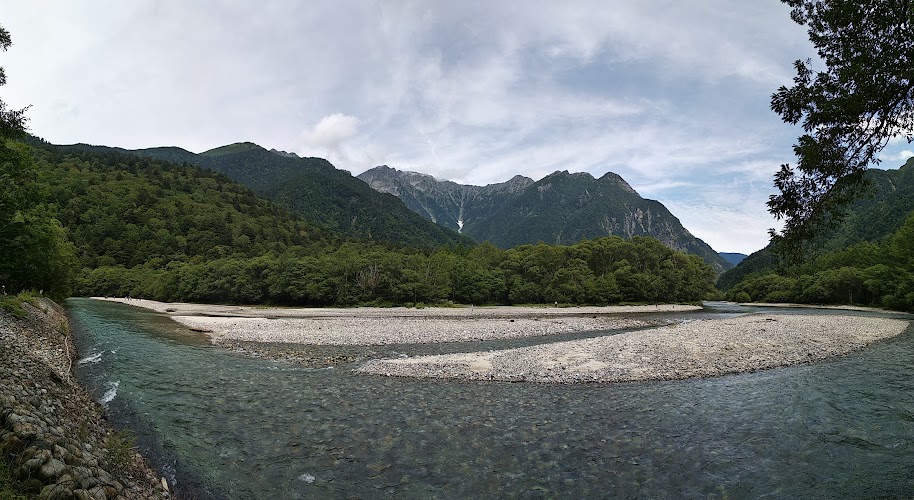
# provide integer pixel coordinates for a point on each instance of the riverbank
(53, 435)
(702, 348)
(367, 326)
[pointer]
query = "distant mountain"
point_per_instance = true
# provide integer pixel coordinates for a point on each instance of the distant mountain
(733, 258)
(446, 203)
(316, 189)
(876, 215)
(561, 208)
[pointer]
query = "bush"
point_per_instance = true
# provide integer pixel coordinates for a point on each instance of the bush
(741, 297)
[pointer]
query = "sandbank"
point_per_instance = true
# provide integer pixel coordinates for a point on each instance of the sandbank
(701, 348)
(397, 325)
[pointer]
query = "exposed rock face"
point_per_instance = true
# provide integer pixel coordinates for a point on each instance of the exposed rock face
(446, 203)
(52, 433)
(561, 208)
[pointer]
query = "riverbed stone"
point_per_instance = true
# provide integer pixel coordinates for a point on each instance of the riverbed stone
(53, 469)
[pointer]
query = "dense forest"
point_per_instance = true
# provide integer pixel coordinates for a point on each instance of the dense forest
(145, 227)
(871, 274)
(864, 258)
(316, 190)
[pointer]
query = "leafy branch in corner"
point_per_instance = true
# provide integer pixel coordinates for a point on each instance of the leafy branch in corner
(849, 111)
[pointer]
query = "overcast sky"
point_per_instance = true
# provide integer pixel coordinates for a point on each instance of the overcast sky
(673, 96)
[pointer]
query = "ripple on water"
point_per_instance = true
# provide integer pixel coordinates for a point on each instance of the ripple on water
(94, 358)
(111, 392)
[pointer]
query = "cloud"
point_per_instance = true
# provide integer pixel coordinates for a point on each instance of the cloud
(670, 95)
(900, 156)
(331, 131)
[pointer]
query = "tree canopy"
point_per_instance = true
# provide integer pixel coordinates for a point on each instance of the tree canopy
(849, 110)
(34, 250)
(12, 121)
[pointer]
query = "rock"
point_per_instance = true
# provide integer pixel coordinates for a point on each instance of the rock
(25, 430)
(56, 492)
(98, 493)
(53, 469)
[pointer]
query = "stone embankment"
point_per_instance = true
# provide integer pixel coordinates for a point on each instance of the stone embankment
(53, 435)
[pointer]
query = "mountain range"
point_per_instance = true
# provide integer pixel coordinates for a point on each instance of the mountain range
(561, 208)
(416, 210)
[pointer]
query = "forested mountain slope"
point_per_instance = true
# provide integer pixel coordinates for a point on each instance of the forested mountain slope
(866, 259)
(317, 190)
(149, 228)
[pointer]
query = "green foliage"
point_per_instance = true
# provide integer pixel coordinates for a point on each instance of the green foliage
(849, 110)
(119, 452)
(601, 271)
(13, 303)
(12, 121)
(867, 274)
(34, 246)
(148, 228)
(8, 490)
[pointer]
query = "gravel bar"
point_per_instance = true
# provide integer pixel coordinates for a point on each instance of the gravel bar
(701, 348)
(397, 325)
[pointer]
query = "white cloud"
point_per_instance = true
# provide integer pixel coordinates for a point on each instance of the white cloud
(670, 95)
(900, 156)
(331, 131)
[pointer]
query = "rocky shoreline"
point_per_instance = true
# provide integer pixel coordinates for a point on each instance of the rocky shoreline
(53, 435)
(702, 348)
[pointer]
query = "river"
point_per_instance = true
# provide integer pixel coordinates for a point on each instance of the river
(225, 426)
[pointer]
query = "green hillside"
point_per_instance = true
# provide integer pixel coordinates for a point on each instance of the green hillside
(149, 228)
(866, 259)
(320, 192)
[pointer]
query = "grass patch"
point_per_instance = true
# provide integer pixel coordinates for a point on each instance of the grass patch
(13, 303)
(119, 451)
(8, 490)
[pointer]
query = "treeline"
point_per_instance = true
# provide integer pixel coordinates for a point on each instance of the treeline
(140, 227)
(34, 250)
(870, 274)
(601, 271)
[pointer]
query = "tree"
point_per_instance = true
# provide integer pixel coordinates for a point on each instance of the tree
(12, 121)
(34, 251)
(850, 110)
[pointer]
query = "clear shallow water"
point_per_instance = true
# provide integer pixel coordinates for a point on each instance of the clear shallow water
(234, 427)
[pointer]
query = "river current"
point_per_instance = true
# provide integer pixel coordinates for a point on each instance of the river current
(225, 426)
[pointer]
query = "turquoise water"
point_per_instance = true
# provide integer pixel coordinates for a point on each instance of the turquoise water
(223, 426)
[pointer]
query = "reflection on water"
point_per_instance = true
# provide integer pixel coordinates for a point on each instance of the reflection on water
(242, 428)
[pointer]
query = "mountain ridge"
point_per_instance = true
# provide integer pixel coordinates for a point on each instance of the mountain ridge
(560, 208)
(313, 188)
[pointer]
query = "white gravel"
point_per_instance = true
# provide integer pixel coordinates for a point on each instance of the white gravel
(702, 348)
(398, 325)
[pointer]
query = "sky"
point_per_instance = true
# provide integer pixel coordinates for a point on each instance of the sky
(671, 95)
